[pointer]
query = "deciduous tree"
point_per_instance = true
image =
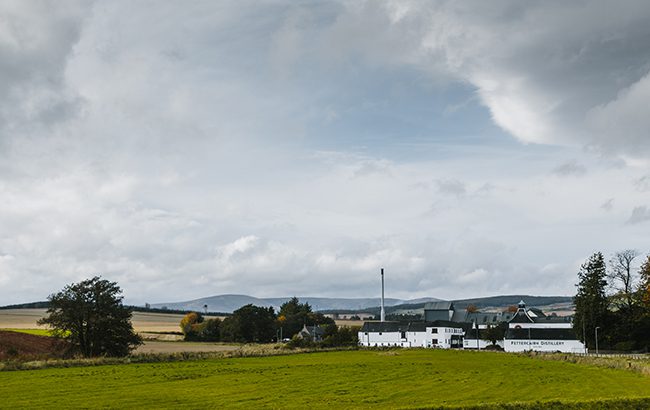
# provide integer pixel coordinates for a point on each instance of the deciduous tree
(621, 274)
(90, 315)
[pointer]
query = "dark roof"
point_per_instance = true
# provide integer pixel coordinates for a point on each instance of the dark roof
(384, 327)
(541, 334)
(459, 316)
(441, 305)
(487, 318)
(537, 312)
(521, 317)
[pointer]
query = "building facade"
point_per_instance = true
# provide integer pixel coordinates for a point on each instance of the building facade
(530, 330)
(446, 328)
(437, 334)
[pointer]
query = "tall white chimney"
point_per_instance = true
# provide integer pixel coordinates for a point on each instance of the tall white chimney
(383, 313)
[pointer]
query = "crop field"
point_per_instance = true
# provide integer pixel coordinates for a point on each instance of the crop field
(379, 379)
(142, 321)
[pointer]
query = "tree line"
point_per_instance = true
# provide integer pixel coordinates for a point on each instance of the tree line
(612, 303)
(256, 324)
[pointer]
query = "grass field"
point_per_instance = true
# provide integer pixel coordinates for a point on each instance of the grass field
(379, 379)
(36, 332)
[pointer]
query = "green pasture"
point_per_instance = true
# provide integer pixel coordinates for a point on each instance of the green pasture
(37, 332)
(414, 378)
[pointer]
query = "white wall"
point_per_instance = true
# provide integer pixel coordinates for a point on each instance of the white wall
(471, 343)
(382, 339)
(412, 339)
(564, 346)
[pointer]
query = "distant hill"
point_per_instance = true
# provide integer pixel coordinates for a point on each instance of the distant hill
(546, 303)
(30, 305)
(509, 300)
(229, 303)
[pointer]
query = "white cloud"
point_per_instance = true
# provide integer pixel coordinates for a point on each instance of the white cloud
(172, 148)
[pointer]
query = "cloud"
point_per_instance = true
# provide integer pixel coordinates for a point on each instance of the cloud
(639, 214)
(451, 187)
(549, 74)
(571, 168)
(36, 41)
(643, 183)
(608, 205)
(293, 148)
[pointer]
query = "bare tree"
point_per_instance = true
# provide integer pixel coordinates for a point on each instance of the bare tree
(621, 274)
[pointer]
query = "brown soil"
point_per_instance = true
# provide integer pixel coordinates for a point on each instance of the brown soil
(14, 345)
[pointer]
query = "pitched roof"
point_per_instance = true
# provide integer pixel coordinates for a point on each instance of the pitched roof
(317, 330)
(440, 305)
(384, 327)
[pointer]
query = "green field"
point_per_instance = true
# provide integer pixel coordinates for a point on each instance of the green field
(37, 332)
(385, 379)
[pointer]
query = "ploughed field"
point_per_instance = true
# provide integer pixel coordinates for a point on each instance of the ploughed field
(413, 378)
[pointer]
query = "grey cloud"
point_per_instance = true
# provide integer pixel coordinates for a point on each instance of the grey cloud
(35, 45)
(571, 168)
(550, 73)
(608, 205)
(451, 187)
(643, 184)
(372, 168)
(639, 214)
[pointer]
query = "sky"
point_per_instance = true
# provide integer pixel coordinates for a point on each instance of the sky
(278, 148)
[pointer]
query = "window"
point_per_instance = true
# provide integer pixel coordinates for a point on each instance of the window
(403, 335)
(434, 330)
(379, 333)
(434, 341)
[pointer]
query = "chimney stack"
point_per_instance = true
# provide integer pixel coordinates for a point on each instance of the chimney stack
(383, 313)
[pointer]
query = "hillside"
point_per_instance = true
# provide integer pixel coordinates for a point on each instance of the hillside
(560, 304)
(228, 303)
(27, 346)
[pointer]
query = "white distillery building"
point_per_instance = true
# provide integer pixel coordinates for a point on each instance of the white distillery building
(438, 334)
(470, 321)
(530, 330)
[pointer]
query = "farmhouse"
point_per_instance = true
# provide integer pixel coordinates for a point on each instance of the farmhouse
(440, 334)
(532, 330)
(313, 333)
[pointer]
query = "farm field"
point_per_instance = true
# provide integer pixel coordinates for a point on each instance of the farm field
(142, 321)
(378, 379)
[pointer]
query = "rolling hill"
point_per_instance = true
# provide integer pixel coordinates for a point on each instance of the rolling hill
(228, 303)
